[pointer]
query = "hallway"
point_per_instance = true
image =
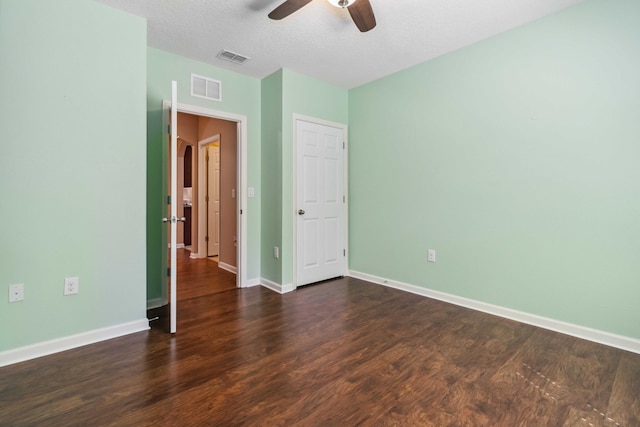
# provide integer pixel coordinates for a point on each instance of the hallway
(200, 277)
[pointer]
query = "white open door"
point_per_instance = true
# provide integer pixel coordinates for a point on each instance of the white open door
(213, 199)
(173, 218)
(320, 197)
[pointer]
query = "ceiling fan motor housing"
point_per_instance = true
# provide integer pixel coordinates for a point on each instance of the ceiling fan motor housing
(342, 3)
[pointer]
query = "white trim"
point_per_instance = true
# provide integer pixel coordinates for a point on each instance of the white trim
(46, 348)
(178, 245)
(229, 268)
(253, 282)
(288, 287)
(583, 332)
(155, 303)
(276, 287)
(241, 194)
(202, 207)
(345, 179)
(194, 255)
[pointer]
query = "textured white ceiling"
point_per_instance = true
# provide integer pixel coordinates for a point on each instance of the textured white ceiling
(321, 41)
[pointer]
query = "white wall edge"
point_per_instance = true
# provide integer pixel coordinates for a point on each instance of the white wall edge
(583, 332)
(46, 348)
(276, 287)
(229, 268)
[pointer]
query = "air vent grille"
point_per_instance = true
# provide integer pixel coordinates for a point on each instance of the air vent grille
(236, 58)
(204, 87)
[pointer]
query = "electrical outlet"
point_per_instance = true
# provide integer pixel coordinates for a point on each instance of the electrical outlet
(431, 257)
(16, 292)
(276, 252)
(71, 285)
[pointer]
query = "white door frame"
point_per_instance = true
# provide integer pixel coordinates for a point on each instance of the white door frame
(345, 178)
(202, 207)
(241, 194)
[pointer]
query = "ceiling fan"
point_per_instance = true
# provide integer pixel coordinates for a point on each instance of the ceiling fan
(360, 11)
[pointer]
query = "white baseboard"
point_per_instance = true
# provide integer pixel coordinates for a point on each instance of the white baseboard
(155, 303)
(601, 337)
(194, 255)
(281, 289)
(228, 267)
(46, 348)
(252, 282)
(178, 245)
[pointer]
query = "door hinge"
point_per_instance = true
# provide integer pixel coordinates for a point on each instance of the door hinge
(343, 145)
(168, 271)
(206, 238)
(169, 129)
(168, 200)
(240, 211)
(344, 199)
(207, 198)
(344, 252)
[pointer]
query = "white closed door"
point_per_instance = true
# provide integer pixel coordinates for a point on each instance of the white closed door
(320, 203)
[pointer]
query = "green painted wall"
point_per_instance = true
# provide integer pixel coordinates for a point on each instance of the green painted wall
(240, 95)
(72, 113)
(271, 221)
(518, 160)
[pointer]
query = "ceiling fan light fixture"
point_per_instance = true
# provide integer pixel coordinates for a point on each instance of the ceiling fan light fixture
(342, 3)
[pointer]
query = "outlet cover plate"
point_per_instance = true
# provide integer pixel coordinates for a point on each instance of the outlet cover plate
(431, 257)
(16, 292)
(71, 285)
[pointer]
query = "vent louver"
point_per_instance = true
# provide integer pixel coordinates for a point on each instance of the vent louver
(236, 58)
(204, 87)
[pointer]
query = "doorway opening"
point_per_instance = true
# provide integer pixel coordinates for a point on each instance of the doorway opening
(232, 131)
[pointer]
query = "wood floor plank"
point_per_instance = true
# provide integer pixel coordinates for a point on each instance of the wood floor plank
(624, 405)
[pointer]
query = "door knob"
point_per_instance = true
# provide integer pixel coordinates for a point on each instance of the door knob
(300, 211)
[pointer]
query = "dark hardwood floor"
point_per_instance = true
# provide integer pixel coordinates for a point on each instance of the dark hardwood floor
(342, 353)
(200, 277)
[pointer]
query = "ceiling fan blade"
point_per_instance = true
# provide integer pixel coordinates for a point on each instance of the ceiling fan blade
(362, 14)
(287, 8)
